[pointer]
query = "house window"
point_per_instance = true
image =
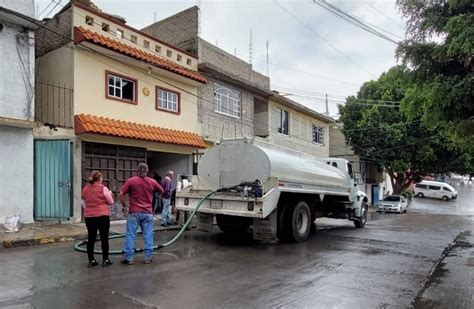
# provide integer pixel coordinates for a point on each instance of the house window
(105, 27)
(121, 88)
(179, 57)
(318, 134)
(120, 33)
(158, 48)
(188, 61)
(227, 101)
(167, 100)
(283, 121)
(89, 21)
(146, 44)
(169, 53)
(133, 38)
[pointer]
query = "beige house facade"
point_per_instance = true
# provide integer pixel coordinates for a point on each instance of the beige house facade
(292, 125)
(110, 97)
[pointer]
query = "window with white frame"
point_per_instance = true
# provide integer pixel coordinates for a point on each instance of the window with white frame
(121, 88)
(283, 121)
(227, 101)
(318, 134)
(168, 100)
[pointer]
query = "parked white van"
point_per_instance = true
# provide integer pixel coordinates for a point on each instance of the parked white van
(435, 189)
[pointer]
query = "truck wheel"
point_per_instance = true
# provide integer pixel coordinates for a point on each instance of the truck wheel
(360, 223)
(284, 223)
(300, 222)
(233, 224)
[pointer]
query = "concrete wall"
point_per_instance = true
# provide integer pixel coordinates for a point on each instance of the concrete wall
(16, 184)
(90, 94)
(25, 7)
(16, 72)
(300, 129)
(213, 126)
(231, 64)
(337, 143)
(61, 34)
(180, 29)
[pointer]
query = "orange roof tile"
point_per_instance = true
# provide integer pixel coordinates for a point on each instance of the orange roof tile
(100, 125)
(82, 34)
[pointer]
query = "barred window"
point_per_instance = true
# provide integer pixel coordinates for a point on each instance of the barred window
(227, 101)
(318, 134)
(283, 121)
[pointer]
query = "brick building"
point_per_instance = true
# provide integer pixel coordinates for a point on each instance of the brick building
(227, 104)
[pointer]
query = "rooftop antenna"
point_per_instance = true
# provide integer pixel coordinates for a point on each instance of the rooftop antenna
(268, 62)
(250, 47)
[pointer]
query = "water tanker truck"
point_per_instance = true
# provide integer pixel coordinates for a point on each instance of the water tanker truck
(274, 191)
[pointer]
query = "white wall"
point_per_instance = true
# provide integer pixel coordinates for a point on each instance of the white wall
(17, 65)
(16, 169)
(25, 7)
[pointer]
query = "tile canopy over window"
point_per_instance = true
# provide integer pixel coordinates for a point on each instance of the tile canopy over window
(167, 100)
(283, 121)
(121, 88)
(227, 101)
(318, 134)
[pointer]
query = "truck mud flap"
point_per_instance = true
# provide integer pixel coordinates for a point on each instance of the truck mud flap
(205, 222)
(265, 229)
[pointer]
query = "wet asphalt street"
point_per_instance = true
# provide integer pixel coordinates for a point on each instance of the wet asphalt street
(421, 259)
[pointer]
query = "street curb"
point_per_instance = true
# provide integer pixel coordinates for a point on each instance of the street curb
(38, 241)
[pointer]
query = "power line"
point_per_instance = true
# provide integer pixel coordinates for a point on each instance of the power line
(315, 75)
(322, 38)
(44, 10)
(381, 13)
(248, 123)
(352, 19)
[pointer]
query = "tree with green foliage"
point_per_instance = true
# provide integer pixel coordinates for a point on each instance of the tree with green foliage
(378, 130)
(439, 51)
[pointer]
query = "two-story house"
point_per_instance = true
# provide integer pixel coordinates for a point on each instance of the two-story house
(227, 103)
(109, 96)
(17, 73)
(292, 125)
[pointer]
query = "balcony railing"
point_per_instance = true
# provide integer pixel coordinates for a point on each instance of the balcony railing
(54, 104)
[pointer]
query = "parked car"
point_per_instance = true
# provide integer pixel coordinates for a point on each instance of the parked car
(393, 203)
(435, 189)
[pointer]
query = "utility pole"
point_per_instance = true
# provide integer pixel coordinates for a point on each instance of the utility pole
(327, 105)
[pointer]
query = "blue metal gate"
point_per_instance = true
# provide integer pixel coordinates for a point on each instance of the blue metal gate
(53, 176)
(375, 194)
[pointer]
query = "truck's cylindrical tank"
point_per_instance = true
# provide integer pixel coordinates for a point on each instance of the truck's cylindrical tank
(235, 161)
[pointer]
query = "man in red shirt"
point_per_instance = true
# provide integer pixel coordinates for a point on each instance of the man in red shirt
(140, 190)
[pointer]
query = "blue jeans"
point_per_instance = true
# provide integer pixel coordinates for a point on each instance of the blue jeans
(166, 212)
(145, 221)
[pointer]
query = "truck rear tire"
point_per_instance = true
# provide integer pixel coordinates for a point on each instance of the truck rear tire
(233, 224)
(300, 222)
(360, 223)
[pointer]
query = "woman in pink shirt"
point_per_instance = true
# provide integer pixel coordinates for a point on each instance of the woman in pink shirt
(97, 199)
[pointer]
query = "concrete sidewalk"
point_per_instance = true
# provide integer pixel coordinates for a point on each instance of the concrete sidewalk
(46, 233)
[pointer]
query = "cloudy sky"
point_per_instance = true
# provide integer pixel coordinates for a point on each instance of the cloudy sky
(311, 53)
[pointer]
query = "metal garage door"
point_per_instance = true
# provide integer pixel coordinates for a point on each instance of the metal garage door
(116, 163)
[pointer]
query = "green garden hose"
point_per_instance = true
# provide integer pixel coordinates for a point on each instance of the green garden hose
(79, 245)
